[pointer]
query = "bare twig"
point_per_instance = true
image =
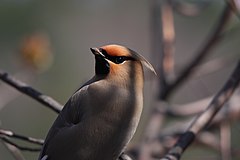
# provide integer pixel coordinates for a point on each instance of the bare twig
(205, 138)
(23, 148)
(150, 135)
(189, 9)
(208, 139)
(168, 39)
(205, 117)
(6, 95)
(155, 119)
(225, 133)
(124, 157)
(163, 38)
(157, 38)
(14, 151)
(189, 109)
(203, 52)
(235, 7)
(24, 88)
(215, 65)
(193, 108)
(13, 146)
(21, 137)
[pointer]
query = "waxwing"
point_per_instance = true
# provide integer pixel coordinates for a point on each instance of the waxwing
(100, 118)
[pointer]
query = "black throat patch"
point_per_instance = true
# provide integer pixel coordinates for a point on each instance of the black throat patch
(102, 67)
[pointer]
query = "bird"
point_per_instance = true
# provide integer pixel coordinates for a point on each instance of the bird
(101, 117)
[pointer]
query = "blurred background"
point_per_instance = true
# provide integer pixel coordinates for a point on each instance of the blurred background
(46, 44)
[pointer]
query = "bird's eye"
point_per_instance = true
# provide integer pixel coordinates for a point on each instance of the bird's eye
(120, 59)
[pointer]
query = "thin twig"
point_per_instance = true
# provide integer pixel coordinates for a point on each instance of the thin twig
(22, 148)
(206, 139)
(26, 89)
(214, 65)
(234, 6)
(203, 120)
(168, 39)
(155, 119)
(203, 52)
(6, 94)
(14, 151)
(124, 156)
(184, 110)
(189, 9)
(156, 39)
(225, 143)
(193, 108)
(21, 137)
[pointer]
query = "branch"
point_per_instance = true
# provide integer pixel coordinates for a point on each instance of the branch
(189, 9)
(157, 38)
(23, 148)
(21, 137)
(205, 139)
(215, 65)
(203, 52)
(155, 119)
(168, 39)
(4, 134)
(124, 156)
(194, 108)
(14, 151)
(234, 6)
(26, 89)
(225, 143)
(205, 117)
(183, 110)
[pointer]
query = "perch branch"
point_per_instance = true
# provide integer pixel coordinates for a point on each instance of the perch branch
(205, 117)
(26, 89)
(23, 148)
(20, 137)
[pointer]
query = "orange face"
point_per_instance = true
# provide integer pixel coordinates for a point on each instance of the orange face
(118, 60)
(122, 71)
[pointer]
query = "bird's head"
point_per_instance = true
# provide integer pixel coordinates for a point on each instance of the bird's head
(119, 63)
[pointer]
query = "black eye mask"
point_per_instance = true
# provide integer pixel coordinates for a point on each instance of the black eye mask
(115, 59)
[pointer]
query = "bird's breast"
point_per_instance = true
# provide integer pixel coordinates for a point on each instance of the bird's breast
(114, 115)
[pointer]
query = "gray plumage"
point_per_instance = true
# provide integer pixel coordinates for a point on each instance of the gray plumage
(101, 117)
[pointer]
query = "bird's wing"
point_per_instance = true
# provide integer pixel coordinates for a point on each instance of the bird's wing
(70, 115)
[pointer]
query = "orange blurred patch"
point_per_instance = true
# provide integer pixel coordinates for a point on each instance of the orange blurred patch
(35, 51)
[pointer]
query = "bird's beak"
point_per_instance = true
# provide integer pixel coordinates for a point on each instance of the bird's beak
(96, 51)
